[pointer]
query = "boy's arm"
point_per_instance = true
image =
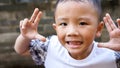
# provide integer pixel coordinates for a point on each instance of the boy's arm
(28, 29)
(114, 33)
(22, 45)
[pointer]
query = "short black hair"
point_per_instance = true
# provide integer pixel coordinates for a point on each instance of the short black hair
(96, 4)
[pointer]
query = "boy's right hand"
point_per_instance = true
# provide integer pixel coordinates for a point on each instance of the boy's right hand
(28, 27)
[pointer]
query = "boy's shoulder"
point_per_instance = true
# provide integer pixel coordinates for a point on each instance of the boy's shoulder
(111, 53)
(53, 39)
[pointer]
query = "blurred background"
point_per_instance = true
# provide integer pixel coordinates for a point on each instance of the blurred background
(12, 11)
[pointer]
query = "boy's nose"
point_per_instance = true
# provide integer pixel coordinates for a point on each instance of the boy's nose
(72, 31)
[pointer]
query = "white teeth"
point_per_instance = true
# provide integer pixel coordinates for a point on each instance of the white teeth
(74, 42)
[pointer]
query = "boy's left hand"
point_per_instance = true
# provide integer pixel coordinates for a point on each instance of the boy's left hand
(114, 33)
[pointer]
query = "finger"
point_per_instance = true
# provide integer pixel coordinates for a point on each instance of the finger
(110, 21)
(102, 45)
(118, 21)
(24, 24)
(20, 25)
(21, 22)
(107, 25)
(38, 18)
(33, 17)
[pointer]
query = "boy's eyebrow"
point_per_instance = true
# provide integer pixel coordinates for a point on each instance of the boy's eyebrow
(83, 18)
(79, 18)
(62, 18)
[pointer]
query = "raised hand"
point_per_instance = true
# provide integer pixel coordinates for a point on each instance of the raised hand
(28, 27)
(114, 33)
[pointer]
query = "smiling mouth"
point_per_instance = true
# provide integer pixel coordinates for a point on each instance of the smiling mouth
(74, 44)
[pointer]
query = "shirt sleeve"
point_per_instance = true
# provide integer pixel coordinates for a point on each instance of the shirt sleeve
(117, 55)
(38, 51)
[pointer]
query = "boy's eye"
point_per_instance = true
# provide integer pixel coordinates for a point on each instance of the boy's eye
(83, 23)
(63, 24)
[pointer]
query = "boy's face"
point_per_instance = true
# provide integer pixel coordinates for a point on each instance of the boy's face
(76, 26)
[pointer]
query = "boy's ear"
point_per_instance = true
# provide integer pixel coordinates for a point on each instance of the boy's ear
(99, 29)
(54, 26)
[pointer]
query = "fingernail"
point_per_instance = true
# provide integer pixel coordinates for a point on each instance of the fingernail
(36, 9)
(107, 14)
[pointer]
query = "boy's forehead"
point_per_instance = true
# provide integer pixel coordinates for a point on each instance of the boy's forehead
(75, 0)
(96, 4)
(78, 3)
(77, 11)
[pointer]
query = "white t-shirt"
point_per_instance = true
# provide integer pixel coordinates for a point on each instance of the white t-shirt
(56, 55)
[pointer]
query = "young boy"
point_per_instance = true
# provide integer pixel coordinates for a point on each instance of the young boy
(76, 24)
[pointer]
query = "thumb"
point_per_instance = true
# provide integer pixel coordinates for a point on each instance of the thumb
(103, 45)
(40, 37)
(108, 45)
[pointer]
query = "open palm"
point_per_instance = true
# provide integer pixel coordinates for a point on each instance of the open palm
(114, 33)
